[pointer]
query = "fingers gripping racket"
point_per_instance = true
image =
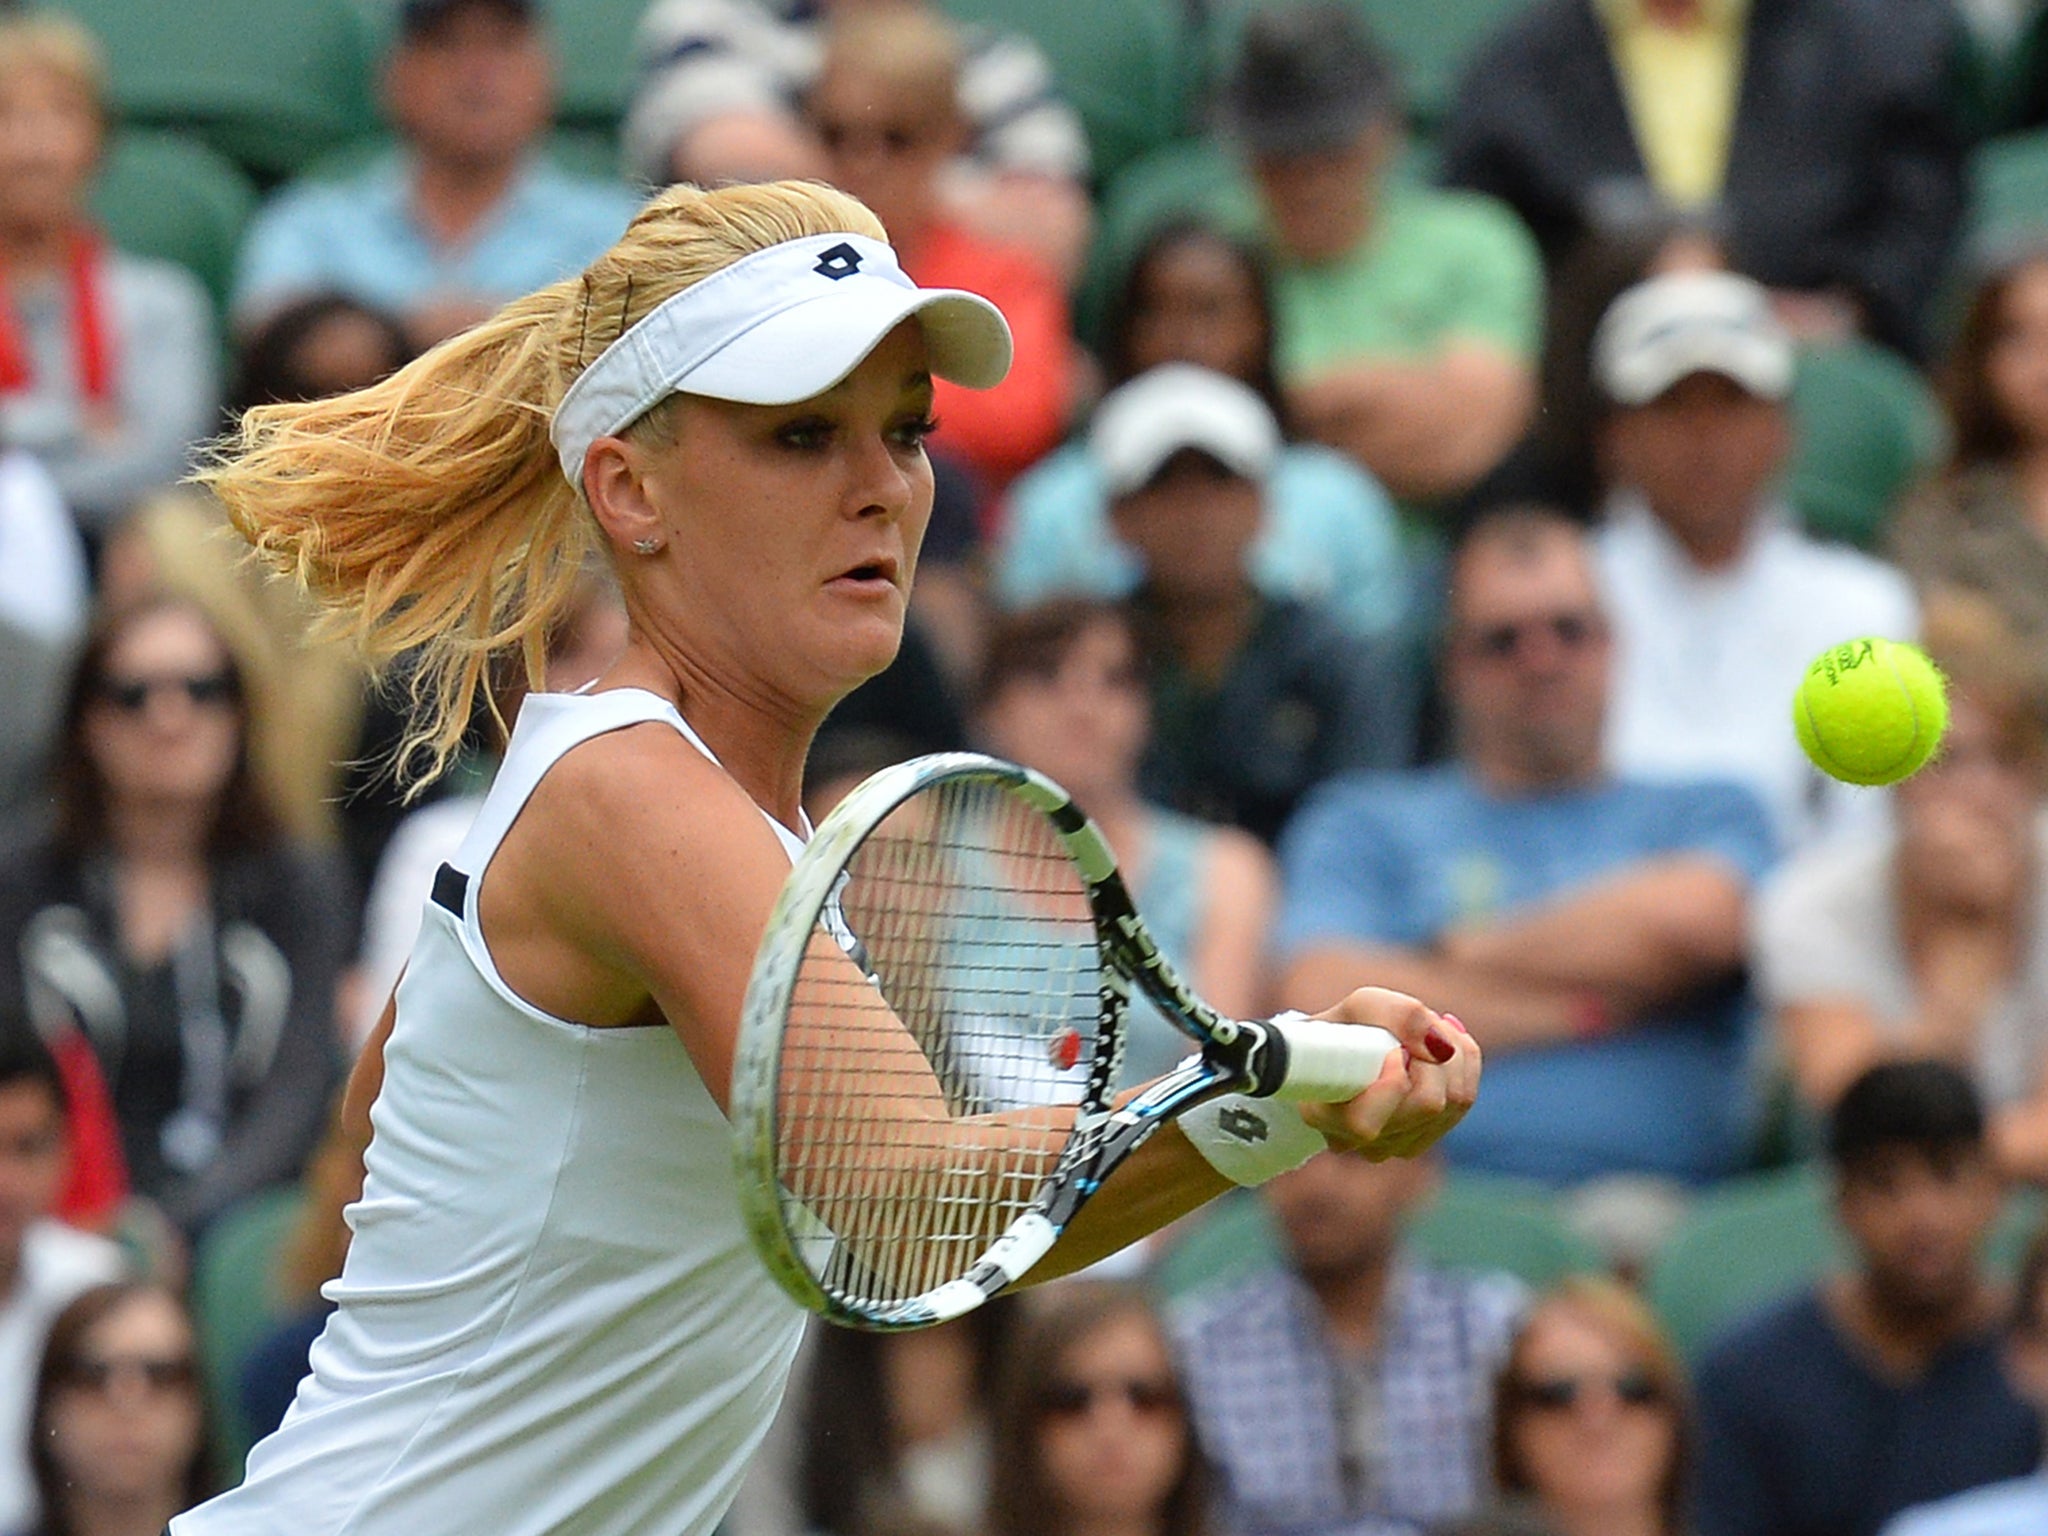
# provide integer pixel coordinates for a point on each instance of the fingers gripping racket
(925, 1087)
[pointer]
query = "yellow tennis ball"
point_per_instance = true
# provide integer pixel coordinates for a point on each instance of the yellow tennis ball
(1871, 711)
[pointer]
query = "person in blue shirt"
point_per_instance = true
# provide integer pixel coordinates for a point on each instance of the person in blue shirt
(462, 216)
(1883, 1385)
(1330, 536)
(1588, 928)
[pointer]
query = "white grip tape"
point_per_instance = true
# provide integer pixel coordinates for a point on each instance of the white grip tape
(1329, 1063)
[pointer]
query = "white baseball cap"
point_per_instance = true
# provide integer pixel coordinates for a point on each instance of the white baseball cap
(775, 327)
(1142, 424)
(1691, 322)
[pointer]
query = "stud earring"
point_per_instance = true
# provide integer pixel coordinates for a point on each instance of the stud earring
(649, 546)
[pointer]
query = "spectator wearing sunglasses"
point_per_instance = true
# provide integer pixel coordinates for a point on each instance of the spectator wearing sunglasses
(886, 103)
(1090, 1410)
(1587, 927)
(164, 914)
(1592, 1424)
(1719, 602)
(120, 1440)
(1882, 1385)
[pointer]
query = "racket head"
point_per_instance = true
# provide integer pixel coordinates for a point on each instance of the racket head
(936, 949)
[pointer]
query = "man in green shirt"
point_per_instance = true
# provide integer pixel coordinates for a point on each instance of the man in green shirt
(1409, 318)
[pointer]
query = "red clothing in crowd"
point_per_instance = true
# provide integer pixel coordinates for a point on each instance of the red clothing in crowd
(1002, 431)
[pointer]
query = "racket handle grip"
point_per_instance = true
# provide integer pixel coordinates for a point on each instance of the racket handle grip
(1327, 1063)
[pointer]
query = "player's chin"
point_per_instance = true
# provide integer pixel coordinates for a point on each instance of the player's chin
(861, 640)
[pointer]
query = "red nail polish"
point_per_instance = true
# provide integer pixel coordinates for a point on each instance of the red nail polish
(1438, 1046)
(1456, 1023)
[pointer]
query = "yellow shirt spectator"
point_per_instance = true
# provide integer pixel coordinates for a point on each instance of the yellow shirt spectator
(1680, 63)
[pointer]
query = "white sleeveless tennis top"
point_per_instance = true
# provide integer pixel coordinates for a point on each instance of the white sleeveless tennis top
(550, 1319)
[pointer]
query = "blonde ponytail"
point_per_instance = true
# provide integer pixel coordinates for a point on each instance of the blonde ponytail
(427, 513)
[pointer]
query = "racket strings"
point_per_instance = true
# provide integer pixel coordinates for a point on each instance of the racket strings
(923, 1103)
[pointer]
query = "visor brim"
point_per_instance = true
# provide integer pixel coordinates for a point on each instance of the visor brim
(810, 347)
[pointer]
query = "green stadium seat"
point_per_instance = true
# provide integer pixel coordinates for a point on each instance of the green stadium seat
(165, 195)
(2008, 204)
(1752, 1241)
(235, 1302)
(267, 83)
(1869, 428)
(1427, 44)
(1475, 1221)
(1125, 66)
(593, 41)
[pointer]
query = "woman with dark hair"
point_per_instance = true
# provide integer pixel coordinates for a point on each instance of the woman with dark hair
(894, 1432)
(1592, 1418)
(1982, 524)
(1093, 1423)
(119, 1439)
(165, 915)
(1196, 296)
(1062, 689)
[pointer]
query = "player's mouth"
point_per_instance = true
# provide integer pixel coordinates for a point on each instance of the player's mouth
(870, 576)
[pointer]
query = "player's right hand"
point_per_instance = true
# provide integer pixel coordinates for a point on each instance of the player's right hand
(1422, 1090)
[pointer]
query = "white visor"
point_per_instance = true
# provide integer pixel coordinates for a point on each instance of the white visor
(779, 326)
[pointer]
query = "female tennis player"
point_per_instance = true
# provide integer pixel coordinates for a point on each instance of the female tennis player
(550, 1319)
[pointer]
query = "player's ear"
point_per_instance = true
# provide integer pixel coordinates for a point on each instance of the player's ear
(615, 484)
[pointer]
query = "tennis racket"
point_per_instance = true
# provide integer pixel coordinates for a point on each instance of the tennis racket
(925, 1087)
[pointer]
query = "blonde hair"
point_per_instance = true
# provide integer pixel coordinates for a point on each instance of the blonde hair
(428, 513)
(60, 44)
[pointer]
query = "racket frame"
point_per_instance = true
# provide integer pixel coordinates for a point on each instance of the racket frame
(1235, 1055)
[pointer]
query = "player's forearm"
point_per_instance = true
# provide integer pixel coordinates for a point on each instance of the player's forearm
(1502, 1015)
(1649, 938)
(1157, 1185)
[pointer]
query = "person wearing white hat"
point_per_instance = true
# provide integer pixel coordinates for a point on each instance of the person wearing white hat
(1256, 698)
(1719, 601)
(550, 1319)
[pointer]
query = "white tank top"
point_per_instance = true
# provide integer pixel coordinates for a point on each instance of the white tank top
(550, 1319)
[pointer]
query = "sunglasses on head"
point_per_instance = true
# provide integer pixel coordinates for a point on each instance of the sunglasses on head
(1571, 631)
(159, 1373)
(1074, 1399)
(1556, 1394)
(131, 695)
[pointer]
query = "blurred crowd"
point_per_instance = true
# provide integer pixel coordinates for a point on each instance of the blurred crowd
(1431, 461)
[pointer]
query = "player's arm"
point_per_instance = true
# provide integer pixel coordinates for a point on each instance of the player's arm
(365, 1082)
(1407, 1110)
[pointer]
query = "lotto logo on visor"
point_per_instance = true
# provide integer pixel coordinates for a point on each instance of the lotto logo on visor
(841, 261)
(765, 331)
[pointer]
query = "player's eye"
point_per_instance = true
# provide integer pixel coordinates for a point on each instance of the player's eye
(805, 434)
(912, 433)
